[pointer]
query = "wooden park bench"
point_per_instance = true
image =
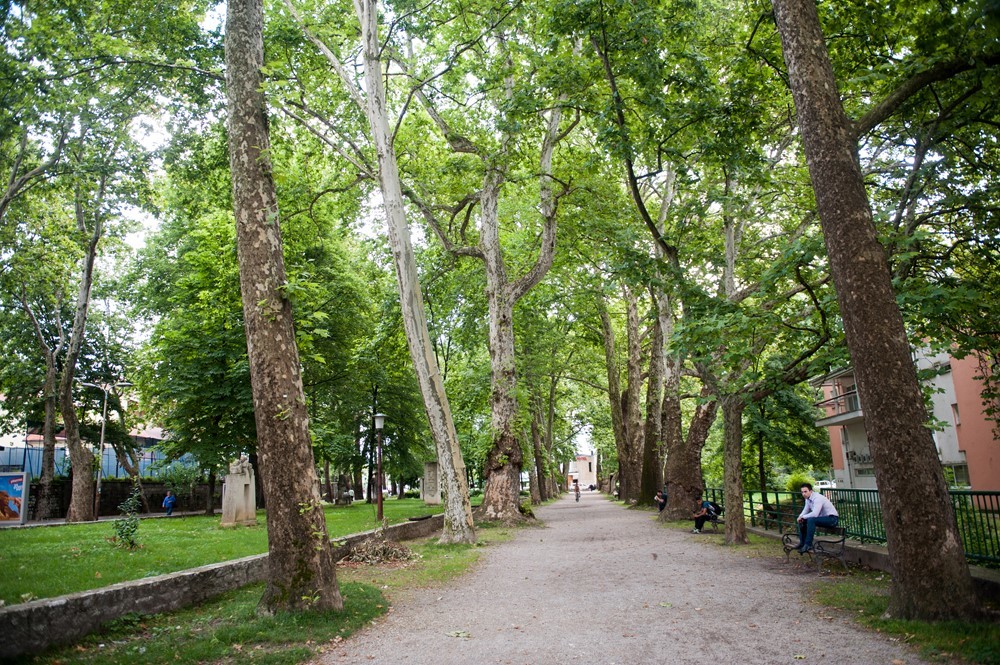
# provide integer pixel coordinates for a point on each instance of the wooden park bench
(829, 542)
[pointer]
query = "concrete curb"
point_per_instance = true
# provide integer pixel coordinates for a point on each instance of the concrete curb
(35, 626)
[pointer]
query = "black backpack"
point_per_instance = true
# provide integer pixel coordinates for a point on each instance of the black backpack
(714, 509)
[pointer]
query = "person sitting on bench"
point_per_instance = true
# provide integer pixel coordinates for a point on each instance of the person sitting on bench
(706, 511)
(818, 511)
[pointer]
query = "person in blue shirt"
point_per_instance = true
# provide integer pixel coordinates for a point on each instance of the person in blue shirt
(818, 511)
(702, 515)
(168, 502)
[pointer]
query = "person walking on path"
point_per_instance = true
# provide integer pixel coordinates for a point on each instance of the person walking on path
(169, 501)
(600, 584)
(818, 511)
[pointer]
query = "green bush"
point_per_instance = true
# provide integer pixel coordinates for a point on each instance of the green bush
(127, 526)
(796, 479)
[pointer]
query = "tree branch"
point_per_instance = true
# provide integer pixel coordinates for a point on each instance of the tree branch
(915, 84)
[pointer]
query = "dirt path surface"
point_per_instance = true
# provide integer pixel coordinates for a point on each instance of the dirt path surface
(601, 585)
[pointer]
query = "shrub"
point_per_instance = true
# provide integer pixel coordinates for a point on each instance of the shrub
(127, 526)
(796, 480)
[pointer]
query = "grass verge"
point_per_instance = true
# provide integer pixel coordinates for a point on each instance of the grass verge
(863, 595)
(228, 629)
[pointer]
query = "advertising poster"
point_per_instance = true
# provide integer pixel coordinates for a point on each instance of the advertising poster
(13, 497)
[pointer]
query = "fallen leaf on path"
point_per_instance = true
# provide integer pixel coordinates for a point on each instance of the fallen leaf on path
(666, 604)
(461, 634)
(799, 656)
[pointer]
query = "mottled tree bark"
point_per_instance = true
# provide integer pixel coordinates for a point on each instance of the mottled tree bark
(458, 525)
(47, 500)
(301, 568)
(501, 493)
(930, 576)
(685, 485)
(539, 453)
(81, 506)
(652, 460)
(732, 453)
(630, 466)
(614, 385)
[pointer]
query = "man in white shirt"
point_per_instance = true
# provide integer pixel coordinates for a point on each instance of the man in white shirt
(818, 511)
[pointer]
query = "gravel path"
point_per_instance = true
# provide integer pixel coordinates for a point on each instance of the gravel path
(603, 585)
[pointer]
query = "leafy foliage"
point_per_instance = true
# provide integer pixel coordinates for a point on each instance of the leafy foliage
(127, 526)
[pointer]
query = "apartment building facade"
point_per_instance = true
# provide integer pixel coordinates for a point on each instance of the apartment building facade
(965, 439)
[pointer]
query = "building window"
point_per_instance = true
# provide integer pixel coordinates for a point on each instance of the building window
(957, 475)
(954, 414)
(590, 467)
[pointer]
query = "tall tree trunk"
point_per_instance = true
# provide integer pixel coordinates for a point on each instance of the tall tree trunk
(652, 462)
(81, 506)
(327, 484)
(48, 502)
(931, 577)
(501, 499)
(685, 485)
(301, 568)
(539, 451)
(614, 387)
(631, 466)
(501, 494)
(210, 491)
(458, 525)
(732, 454)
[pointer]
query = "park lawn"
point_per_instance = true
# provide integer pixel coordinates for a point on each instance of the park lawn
(228, 629)
(44, 562)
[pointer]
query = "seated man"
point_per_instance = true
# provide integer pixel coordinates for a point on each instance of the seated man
(661, 500)
(818, 511)
(703, 514)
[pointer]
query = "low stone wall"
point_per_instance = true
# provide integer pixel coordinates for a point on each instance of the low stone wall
(35, 626)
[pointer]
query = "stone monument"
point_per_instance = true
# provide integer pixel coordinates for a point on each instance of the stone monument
(430, 487)
(239, 501)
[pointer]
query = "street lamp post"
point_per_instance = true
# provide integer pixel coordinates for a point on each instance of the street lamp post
(379, 423)
(99, 453)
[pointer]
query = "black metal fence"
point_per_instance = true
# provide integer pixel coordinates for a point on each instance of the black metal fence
(977, 514)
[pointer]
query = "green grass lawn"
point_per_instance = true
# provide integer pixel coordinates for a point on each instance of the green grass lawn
(228, 629)
(51, 561)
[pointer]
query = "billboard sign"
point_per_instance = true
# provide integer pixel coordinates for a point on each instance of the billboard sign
(13, 497)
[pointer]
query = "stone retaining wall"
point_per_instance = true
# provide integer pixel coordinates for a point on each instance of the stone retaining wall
(35, 626)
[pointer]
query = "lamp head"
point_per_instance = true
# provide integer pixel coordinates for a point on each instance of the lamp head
(379, 421)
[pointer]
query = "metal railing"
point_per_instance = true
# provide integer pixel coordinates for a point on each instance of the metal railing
(977, 514)
(841, 404)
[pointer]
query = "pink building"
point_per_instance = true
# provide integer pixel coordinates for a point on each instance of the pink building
(966, 443)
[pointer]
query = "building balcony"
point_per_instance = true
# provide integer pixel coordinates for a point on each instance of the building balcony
(841, 410)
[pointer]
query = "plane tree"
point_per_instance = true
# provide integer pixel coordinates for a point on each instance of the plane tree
(911, 52)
